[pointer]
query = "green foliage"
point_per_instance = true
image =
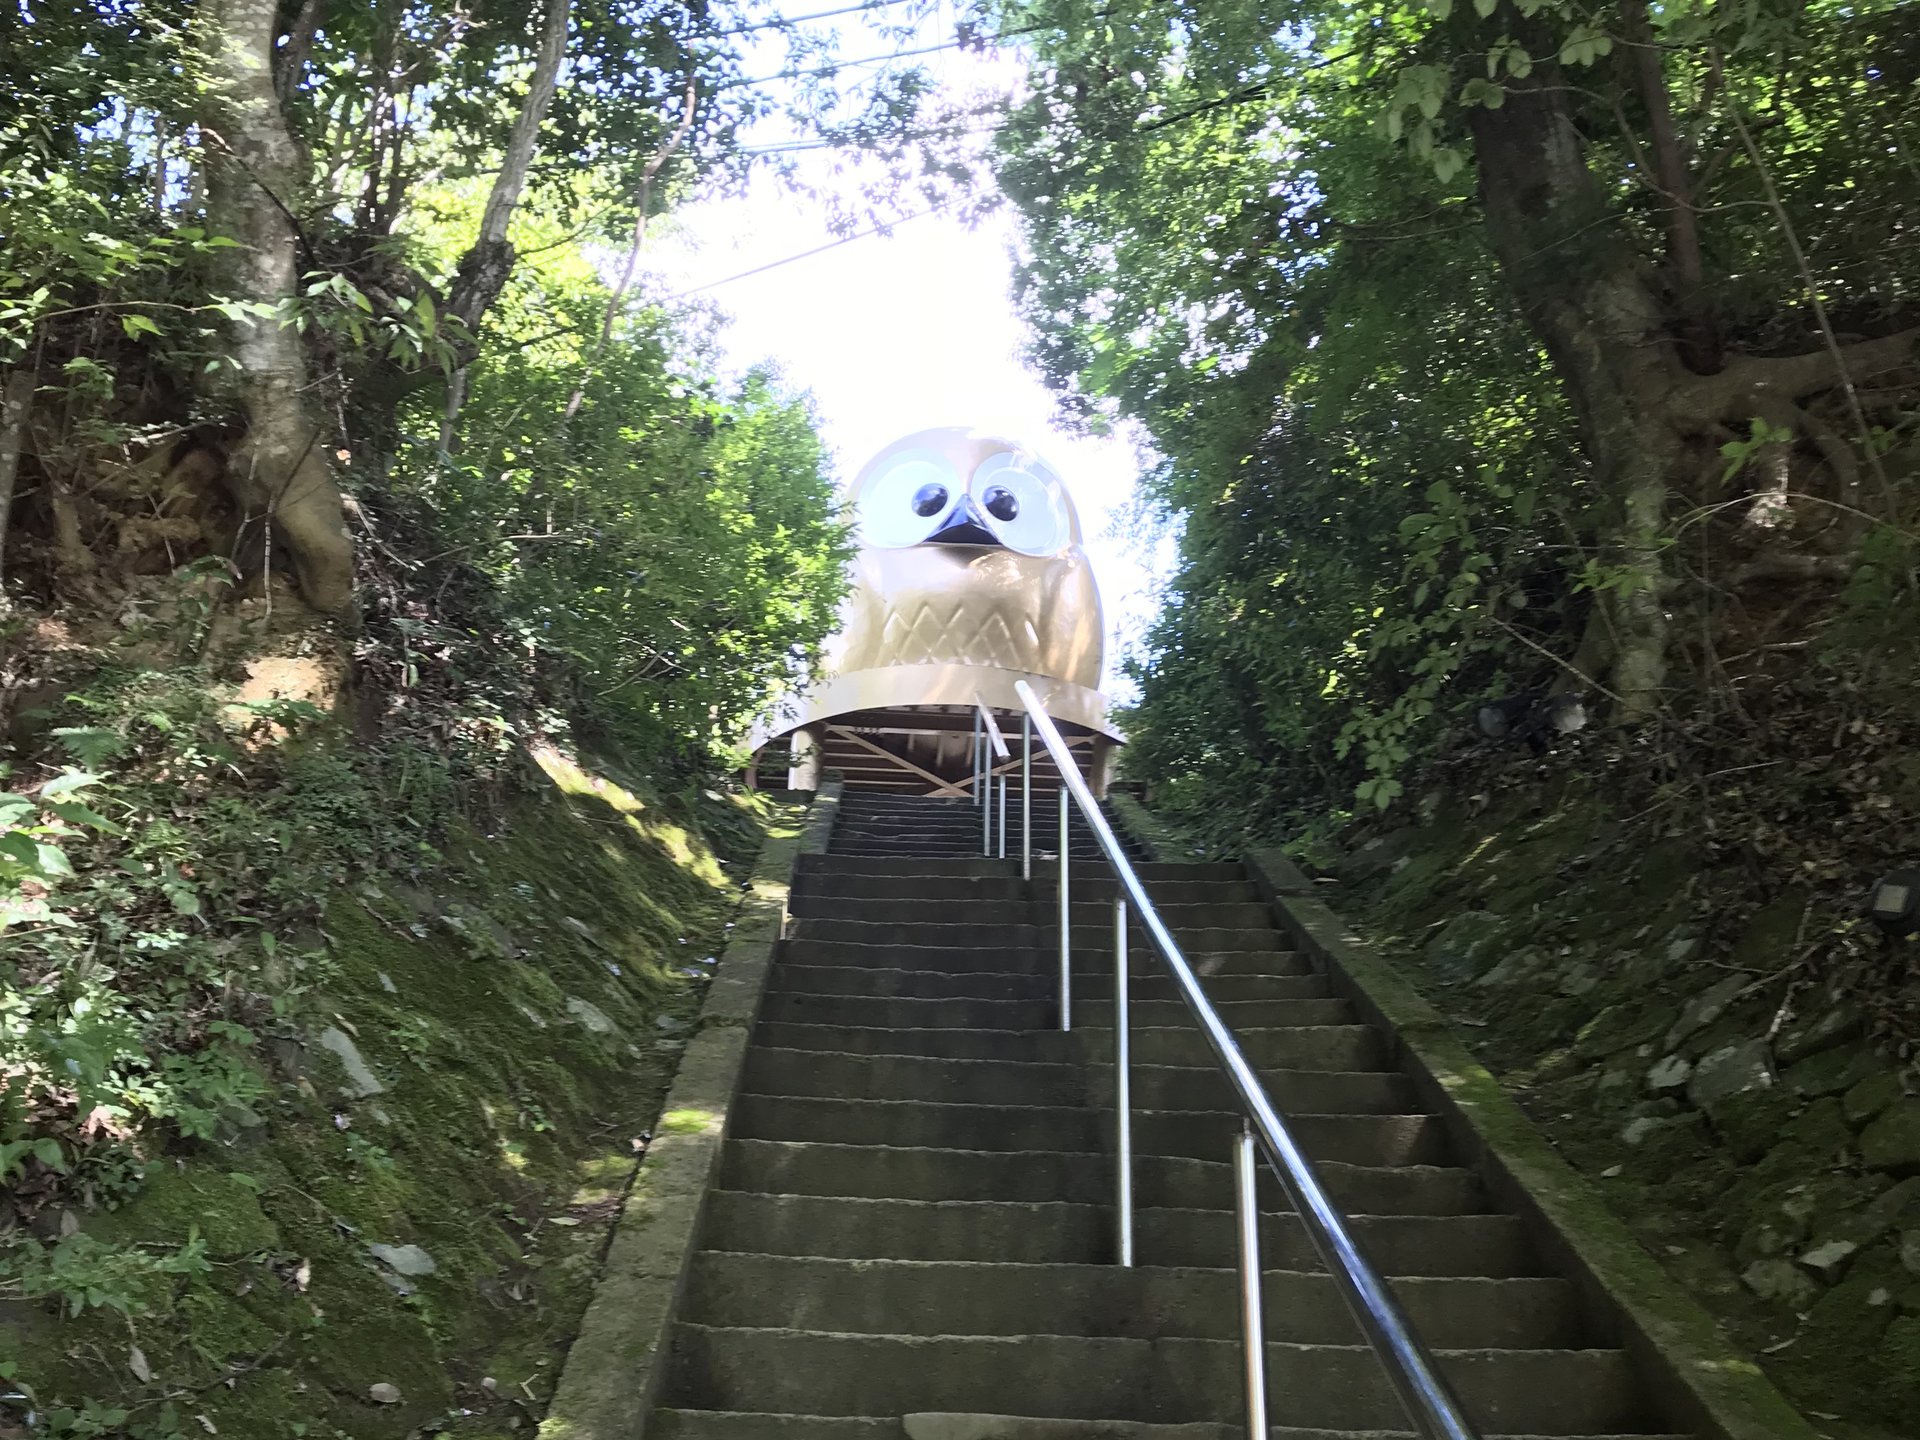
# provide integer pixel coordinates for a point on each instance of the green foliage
(151, 954)
(1258, 233)
(83, 1273)
(673, 548)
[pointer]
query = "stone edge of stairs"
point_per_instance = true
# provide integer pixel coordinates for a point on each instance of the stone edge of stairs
(615, 1364)
(1696, 1378)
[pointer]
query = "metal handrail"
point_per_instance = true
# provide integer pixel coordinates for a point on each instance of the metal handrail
(1428, 1401)
(987, 743)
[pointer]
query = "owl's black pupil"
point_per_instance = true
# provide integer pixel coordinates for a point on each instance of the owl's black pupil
(929, 499)
(1001, 504)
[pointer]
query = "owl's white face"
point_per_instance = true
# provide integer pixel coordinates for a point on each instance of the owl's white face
(945, 495)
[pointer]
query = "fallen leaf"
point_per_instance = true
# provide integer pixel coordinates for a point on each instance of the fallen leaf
(137, 1363)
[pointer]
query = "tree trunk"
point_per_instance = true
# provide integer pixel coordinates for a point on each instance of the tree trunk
(16, 400)
(1699, 333)
(1587, 296)
(253, 182)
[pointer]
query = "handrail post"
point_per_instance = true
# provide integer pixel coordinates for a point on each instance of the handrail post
(1252, 1326)
(976, 754)
(1003, 817)
(1066, 925)
(1122, 1088)
(986, 792)
(1026, 796)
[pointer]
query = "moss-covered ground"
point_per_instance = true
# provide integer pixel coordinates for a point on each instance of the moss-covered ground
(521, 1009)
(1600, 976)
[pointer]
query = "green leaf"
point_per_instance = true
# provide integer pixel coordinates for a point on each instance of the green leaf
(138, 325)
(1484, 8)
(75, 813)
(1482, 92)
(68, 781)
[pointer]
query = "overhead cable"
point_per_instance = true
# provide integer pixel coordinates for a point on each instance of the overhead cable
(808, 254)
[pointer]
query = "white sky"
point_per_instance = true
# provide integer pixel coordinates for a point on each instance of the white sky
(898, 333)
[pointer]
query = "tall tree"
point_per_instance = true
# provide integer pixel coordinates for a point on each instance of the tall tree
(1368, 252)
(256, 184)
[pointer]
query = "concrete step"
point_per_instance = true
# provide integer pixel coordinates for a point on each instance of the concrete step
(996, 934)
(1150, 871)
(670, 1424)
(1088, 914)
(1158, 986)
(1043, 983)
(771, 1071)
(805, 1372)
(1036, 959)
(993, 889)
(811, 1007)
(980, 889)
(945, 1297)
(878, 1228)
(1203, 1135)
(1015, 1045)
(1318, 1047)
(955, 850)
(1164, 1182)
(1000, 1082)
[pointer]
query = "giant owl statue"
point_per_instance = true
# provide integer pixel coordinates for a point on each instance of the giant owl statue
(969, 555)
(969, 577)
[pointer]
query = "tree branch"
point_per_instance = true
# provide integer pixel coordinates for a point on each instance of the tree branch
(485, 267)
(1792, 238)
(1700, 339)
(291, 60)
(618, 298)
(1751, 380)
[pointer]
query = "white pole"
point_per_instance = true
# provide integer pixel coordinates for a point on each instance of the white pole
(1066, 925)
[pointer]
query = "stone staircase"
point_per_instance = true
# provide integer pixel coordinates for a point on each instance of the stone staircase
(911, 1231)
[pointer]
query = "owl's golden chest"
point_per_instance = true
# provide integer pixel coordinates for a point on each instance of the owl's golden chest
(956, 605)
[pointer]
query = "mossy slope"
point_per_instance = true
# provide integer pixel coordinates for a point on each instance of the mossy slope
(1687, 1061)
(521, 1009)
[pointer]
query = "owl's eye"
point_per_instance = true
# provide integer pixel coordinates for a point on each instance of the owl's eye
(1025, 504)
(907, 501)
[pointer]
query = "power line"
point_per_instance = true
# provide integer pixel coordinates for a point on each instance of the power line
(785, 20)
(809, 254)
(965, 42)
(905, 137)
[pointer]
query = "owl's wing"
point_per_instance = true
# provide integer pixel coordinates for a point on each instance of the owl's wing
(1072, 628)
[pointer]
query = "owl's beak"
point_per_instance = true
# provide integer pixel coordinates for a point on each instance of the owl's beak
(966, 526)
